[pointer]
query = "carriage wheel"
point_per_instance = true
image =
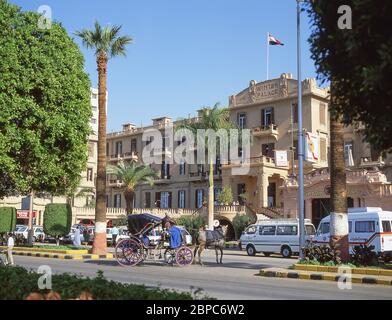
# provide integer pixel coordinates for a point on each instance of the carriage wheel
(129, 252)
(184, 256)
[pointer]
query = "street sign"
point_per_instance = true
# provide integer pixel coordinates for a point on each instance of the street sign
(281, 158)
(24, 214)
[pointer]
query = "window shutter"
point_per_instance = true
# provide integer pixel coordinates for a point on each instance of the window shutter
(272, 115)
(170, 200)
(263, 117)
(196, 199)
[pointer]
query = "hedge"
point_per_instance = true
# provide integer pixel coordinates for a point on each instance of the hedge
(240, 222)
(17, 283)
(7, 220)
(57, 219)
(192, 224)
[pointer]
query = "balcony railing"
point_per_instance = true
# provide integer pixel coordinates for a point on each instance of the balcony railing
(252, 161)
(266, 131)
(369, 162)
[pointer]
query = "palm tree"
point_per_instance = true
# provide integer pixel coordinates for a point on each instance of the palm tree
(339, 216)
(107, 44)
(215, 119)
(132, 175)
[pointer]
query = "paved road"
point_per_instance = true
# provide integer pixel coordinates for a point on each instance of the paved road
(236, 279)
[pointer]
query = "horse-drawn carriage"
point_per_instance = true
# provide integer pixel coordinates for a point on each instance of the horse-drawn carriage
(138, 248)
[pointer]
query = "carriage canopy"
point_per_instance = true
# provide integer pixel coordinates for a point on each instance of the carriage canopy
(138, 222)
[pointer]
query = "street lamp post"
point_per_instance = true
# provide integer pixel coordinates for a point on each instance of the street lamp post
(301, 155)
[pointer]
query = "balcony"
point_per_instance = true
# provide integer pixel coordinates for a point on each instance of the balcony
(115, 157)
(163, 180)
(266, 131)
(166, 151)
(368, 162)
(114, 183)
(131, 156)
(123, 156)
(253, 162)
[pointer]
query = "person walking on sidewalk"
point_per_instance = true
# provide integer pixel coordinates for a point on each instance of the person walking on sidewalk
(115, 233)
(10, 247)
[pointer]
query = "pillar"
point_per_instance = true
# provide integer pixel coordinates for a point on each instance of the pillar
(262, 187)
(308, 209)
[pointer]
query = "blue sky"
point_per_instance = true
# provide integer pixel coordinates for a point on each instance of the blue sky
(186, 53)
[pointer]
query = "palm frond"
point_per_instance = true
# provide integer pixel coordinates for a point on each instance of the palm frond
(132, 174)
(104, 40)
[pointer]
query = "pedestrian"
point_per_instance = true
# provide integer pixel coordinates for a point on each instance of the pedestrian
(10, 247)
(77, 241)
(115, 233)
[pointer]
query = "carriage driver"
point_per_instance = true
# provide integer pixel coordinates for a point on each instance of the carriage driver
(175, 235)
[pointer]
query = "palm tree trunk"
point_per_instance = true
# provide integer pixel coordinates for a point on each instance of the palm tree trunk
(100, 244)
(211, 197)
(339, 216)
(129, 196)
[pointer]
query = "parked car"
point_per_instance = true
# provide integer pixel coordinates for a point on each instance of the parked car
(367, 226)
(38, 235)
(69, 238)
(275, 236)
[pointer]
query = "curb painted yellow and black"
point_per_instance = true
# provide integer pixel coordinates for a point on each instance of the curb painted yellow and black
(359, 271)
(323, 277)
(63, 256)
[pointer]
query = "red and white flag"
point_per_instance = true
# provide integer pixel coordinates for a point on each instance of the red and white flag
(273, 41)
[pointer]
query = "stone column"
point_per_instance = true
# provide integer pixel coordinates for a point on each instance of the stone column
(262, 187)
(308, 209)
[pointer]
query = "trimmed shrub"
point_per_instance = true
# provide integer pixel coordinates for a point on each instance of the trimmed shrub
(226, 196)
(192, 224)
(17, 284)
(57, 220)
(7, 220)
(240, 222)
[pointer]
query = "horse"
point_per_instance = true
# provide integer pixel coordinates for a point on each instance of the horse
(210, 239)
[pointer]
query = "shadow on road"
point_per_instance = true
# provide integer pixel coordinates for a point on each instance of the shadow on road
(231, 265)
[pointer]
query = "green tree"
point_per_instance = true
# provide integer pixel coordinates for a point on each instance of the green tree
(131, 175)
(57, 220)
(226, 196)
(107, 43)
(44, 105)
(358, 61)
(192, 224)
(7, 220)
(214, 119)
(240, 222)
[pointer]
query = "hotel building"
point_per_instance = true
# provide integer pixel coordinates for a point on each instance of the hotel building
(269, 110)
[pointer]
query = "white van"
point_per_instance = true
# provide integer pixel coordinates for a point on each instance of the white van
(275, 236)
(367, 226)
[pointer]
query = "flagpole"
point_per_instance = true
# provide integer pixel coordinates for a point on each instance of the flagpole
(267, 55)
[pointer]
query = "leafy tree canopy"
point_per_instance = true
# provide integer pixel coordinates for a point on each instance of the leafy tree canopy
(358, 61)
(44, 106)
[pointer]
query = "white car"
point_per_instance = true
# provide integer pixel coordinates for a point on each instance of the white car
(275, 236)
(23, 231)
